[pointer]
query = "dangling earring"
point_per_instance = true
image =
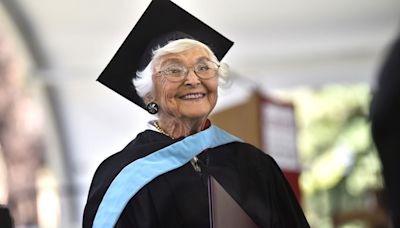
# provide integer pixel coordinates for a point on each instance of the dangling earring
(152, 107)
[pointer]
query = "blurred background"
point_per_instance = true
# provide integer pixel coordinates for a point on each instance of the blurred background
(302, 77)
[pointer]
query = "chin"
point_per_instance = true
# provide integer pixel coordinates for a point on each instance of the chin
(194, 110)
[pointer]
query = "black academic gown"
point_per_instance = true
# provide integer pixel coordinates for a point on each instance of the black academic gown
(179, 198)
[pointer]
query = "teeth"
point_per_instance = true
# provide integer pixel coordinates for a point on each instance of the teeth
(193, 96)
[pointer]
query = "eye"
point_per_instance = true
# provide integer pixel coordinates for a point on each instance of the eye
(173, 71)
(202, 67)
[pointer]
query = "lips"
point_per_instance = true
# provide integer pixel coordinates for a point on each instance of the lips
(192, 96)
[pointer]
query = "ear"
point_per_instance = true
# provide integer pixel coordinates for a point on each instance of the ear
(149, 97)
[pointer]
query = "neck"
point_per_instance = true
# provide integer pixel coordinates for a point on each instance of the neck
(177, 128)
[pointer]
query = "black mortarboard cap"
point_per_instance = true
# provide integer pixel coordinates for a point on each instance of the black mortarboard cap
(162, 22)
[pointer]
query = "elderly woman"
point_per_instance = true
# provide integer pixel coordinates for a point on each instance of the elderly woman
(160, 178)
(183, 79)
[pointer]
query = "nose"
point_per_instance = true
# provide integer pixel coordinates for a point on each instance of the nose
(192, 79)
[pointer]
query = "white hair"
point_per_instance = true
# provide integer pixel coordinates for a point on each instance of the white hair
(144, 83)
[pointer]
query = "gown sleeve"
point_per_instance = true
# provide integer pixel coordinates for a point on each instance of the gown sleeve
(287, 210)
(258, 185)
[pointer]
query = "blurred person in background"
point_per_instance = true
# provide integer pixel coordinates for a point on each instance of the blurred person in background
(21, 138)
(160, 178)
(385, 117)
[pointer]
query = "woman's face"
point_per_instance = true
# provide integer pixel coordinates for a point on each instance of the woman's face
(192, 98)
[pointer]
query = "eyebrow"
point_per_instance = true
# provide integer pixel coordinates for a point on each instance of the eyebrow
(177, 60)
(203, 58)
(172, 60)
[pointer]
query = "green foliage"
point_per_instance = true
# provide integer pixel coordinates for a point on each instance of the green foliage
(340, 164)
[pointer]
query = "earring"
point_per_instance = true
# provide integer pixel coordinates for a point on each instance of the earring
(152, 108)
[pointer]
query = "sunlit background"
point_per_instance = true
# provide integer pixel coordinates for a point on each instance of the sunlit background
(302, 76)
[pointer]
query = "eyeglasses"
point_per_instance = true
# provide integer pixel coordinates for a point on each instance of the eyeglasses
(178, 72)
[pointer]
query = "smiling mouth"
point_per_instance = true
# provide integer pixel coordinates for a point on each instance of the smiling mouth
(193, 96)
